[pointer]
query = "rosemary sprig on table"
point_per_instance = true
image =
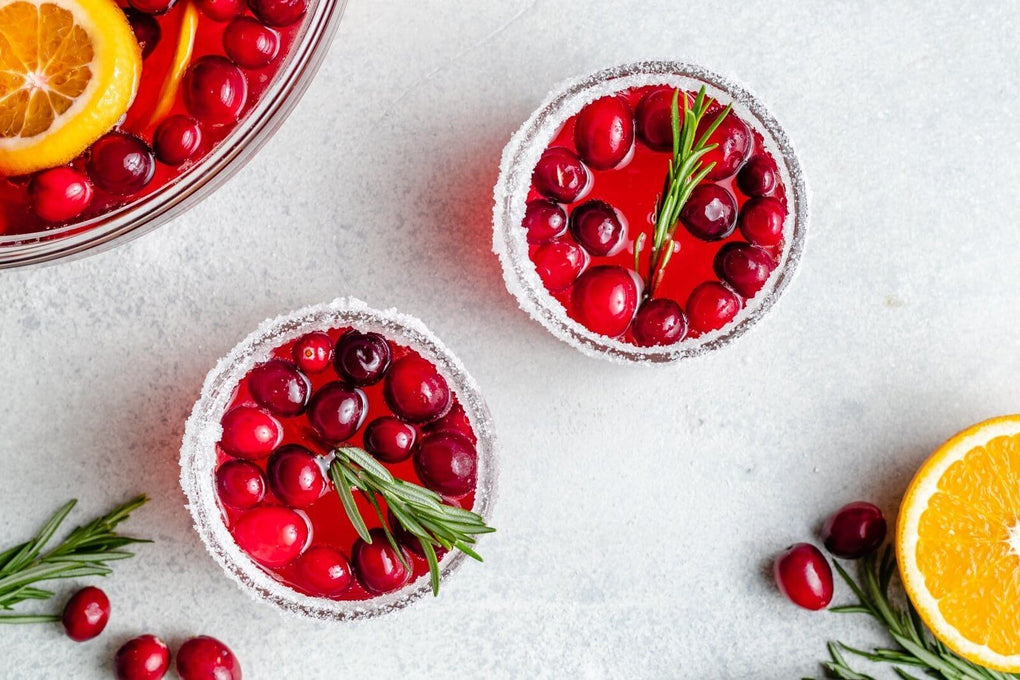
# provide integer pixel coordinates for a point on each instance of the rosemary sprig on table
(686, 171)
(84, 552)
(418, 510)
(915, 648)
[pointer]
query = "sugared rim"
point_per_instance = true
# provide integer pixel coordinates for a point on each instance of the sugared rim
(203, 430)
(521, 154)
(244, 141)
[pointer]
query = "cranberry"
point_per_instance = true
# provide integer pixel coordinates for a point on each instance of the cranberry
(215, 91)
(390, 439)
(220, 10)
(710, 213)
(272, 535)
(278, 12)
(711, 306)
(744, 267)
(377, 565)
(598, 228)
(294, 476)
(324, 571)
(416, 392)
(654, 117)
(60, 194)
(605, 299)
(761, 221)
(758, 177)
(604, 132)
(544, 221)
(121, 164)
(249, 432)
(446, 463)
(177, 139)
(280, 387)
(143, 658)
(362, 358)
(86, 614)
(455, 421)
(560, 175)
(314, 352)
(856, 530)
(559, 264)
(659, 322)
(249, 43)
(152, 6)
(804, 576)
(206, 658)
(146, 29)
(734, 140)
(337, 411)
(240, 484)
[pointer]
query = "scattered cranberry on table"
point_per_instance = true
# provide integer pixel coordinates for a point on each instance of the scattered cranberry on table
(86, 614)
(143, 658)
(804, 576)
(206, 658)
(854, 531)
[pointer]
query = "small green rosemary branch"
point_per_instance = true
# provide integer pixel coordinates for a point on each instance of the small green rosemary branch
(685, 172)
(84, 552)
(915, 648)
(418, 510)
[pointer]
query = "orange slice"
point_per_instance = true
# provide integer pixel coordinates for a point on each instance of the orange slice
(69, 70)
(958, 543)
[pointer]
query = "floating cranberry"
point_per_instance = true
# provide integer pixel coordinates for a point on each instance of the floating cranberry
(659, 322)
(447, 463)
(416, 392)
(272, 535)
(362, 358)
(177, 139)
(240, 484)
(390, 439)
(250, 432)
(605, 299)
(734, 140)
(86, 614)
(560, 175)
(744, 267)
(220, 10)
(761, 221)
(206, 658)
(278, 12)
(711, 306)
(215, 91)
(314, 352)
(654, 118)
(152, 6)
(604, 132)
(337, 411)
(710, 212)
(856, 530)
(142, 658)
(455, 421)
(249, 43)
(544, 221)
(804, 576)
(377, 565)
(280, 387)
(146, 29)
(294, 476)
(559, 264)
(121, 164)
(598, 228)
(324, 571)
(60, 194)
(758, 177)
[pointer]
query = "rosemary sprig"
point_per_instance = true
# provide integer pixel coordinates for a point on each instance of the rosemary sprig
(915, 648)
(686, 171)
(84, 552)
(419, 511)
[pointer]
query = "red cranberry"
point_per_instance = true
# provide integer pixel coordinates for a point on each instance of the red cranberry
(659, 322)
(362, 358)
(416, 392)
(390, 439)
(378, 568)
(446, 463)
(280, 387)
(597, 227)
(455, 421)
(249, 432)
(734, 140)
(249, 43)
(559, 264)
(206, 658)
(324, 571)
(220, 10)
(761, 221)
(143, 658)
(314, 352)
(146, 29)
(654, 118)
(60, 194)
(560, 175)
(278, 12)
(544, 221)
(337, 411)
(86, 614)
(272, 535)
(240, 484)
(294, 476)
(604, 132)
(605, 299)
(744, 267)
(177, 139)
(215, 91)
(710, 213)
(121, 164)
(152, 6)
(804, 576)
(711, 306)
(856, 530)
(758, 177)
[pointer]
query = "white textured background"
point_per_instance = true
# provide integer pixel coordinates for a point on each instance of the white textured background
(639, 507)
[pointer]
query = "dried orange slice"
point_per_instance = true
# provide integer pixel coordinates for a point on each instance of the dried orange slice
(958, 543)
(69, 70)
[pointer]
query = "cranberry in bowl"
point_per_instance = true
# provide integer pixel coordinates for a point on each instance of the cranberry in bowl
(649, 213)
(340, 462)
